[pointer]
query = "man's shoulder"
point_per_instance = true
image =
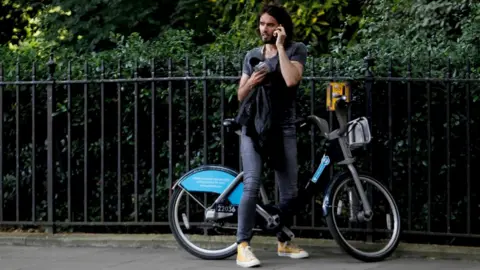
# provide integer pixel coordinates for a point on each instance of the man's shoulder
(254, 51)
(249, 55)
(298, 46)
(298, 52)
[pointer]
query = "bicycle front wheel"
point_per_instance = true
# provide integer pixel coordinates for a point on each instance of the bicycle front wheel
(368, 240)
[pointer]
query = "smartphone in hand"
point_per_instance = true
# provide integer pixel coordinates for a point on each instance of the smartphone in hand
(262, 66)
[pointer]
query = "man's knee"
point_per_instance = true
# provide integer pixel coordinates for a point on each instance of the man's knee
(251, 186)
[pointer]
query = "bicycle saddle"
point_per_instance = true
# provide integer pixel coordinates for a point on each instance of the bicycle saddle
(232, 126)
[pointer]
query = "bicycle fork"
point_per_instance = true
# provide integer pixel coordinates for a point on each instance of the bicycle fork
(366, 214)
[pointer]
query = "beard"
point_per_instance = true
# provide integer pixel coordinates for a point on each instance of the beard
(268, 39)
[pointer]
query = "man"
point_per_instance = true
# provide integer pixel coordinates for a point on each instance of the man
(279, 83)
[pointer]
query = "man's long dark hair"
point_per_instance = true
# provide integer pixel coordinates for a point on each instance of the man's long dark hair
(281, 15)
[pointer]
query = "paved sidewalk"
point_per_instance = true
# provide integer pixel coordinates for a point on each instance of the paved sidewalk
(90, 258)
(321, 246)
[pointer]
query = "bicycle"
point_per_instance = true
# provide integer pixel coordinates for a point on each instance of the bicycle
(226, 185)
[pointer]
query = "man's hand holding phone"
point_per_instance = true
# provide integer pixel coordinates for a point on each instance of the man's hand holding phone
(257, 77)
(280, 36)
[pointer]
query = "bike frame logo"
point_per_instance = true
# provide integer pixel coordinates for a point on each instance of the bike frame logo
(325, 161)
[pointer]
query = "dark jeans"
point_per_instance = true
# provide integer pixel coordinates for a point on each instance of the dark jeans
(283, 156)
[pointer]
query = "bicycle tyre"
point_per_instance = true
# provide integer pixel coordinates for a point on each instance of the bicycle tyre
(187, 245)
(359, 255)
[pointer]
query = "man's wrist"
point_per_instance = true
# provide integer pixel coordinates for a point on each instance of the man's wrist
(249, 85)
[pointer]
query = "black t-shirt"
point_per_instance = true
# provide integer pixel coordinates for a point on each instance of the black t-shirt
(283, 98)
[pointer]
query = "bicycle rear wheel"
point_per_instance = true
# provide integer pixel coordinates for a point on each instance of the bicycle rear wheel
(368, 243)
(203, 239)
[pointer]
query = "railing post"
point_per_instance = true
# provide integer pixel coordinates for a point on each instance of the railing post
(51, 105)
(369, 63)
(1, 142)
(369, 80)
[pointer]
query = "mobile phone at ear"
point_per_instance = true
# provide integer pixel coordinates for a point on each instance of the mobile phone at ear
(275, 36)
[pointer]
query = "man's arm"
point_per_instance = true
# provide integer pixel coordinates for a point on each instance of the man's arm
(244, 87)
(249, 78)
(247, 83)
(292, 70)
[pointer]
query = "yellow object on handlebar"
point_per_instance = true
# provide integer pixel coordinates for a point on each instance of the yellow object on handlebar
(336, 90)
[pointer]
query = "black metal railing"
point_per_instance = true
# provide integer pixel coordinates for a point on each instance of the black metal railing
(103, 149)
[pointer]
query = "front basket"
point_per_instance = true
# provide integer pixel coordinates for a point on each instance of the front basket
(358, 133)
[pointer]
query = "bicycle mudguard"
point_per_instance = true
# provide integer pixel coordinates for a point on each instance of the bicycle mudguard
(328, 191)
(212, 178)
